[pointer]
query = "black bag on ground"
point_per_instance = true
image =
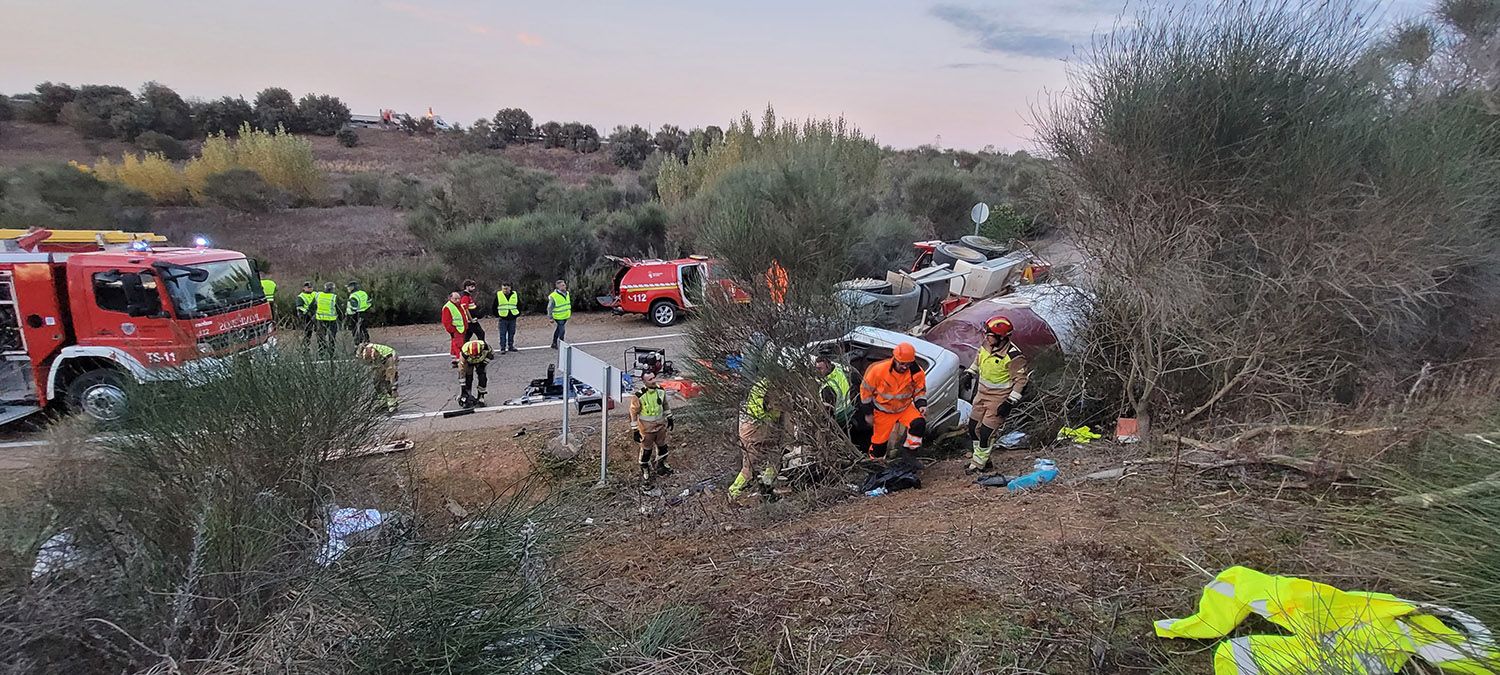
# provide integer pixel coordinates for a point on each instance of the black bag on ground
(902, 474)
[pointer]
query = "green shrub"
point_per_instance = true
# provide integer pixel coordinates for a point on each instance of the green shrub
(347, 137)
(476, 189)
(512, 125)
(243, 190)
(943, 199)
(59, 196)
(403, 291)
(48, 103)
(638, 231)
(672, 141)
(883, 243)
(169, 114)
(373, 189)
(223, 116)
(530, 251)
(1269, 224)
(162, 144)
(322, 114)
(103, 111)
(276, 109)
(629, 146)
(7, 110)
(364, 189)
(800, 212)
(1007, 223)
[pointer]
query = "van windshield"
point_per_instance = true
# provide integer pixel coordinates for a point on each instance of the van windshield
(228, 286)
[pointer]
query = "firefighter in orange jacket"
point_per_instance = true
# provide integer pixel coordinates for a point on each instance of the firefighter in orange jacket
(895, 390)
(453, 322)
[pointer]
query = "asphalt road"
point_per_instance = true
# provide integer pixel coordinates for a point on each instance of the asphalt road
(429, 384)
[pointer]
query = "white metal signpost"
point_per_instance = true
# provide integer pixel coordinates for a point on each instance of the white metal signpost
(979, 214)
(604, 378)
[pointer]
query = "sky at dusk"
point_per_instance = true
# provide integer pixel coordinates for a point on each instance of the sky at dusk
(962, 74)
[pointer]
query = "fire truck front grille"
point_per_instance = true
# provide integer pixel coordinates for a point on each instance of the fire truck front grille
(234, 340)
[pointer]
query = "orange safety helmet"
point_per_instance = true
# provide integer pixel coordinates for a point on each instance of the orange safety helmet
(905, 353)
(999, 326)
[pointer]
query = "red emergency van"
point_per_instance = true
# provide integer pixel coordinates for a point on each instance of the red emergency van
(663, 289)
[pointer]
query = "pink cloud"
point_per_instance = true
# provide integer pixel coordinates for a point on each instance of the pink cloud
(529, 40)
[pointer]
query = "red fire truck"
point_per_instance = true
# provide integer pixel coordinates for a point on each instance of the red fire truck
(663, 289)
(82, 312)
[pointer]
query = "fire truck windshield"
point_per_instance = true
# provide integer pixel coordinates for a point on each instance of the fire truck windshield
(212, 288)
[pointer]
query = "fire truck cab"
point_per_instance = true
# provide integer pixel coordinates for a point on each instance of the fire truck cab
(664, 289)
(83, 312)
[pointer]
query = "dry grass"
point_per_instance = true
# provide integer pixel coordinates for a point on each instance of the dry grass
(300, 243)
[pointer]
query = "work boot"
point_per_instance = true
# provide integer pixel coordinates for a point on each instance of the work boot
(979, 461)
(738, 486)
(662, 469)
(646, 473)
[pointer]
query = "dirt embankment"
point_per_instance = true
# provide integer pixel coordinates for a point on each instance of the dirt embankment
(1067, 578)
(300, 243)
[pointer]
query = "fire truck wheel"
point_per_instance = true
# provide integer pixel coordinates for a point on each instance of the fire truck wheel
(100, 394)
(663, 313)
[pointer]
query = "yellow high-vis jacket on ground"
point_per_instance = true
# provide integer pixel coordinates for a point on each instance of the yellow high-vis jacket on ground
(1332, 631)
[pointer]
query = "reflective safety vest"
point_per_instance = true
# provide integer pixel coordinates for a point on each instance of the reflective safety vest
(506, 307)
(890, 391)
(305, 302)
(359, 302)
(456, 315)
(269, 288)
(994, 369)
(651, 404)
(562, 306)
(1334, 631)
(327, 305)
(838, 381)
(376, 351)
(755, 405)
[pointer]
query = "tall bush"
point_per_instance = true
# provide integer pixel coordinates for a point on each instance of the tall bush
(170, 115)
(151, 174)
(223, 116)
(102, 111)
(322, 114)
(844, 148)
(512, 125)
(69, 197)
(943, 200)
(48, 103)
(629, 146)
(283, 160)
(276, 109)
(243, 190)
(480, 188)
(530, 251)
(1268, 230)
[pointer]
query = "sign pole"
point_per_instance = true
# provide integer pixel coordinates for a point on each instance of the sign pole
(606, 398)
(567, 386)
